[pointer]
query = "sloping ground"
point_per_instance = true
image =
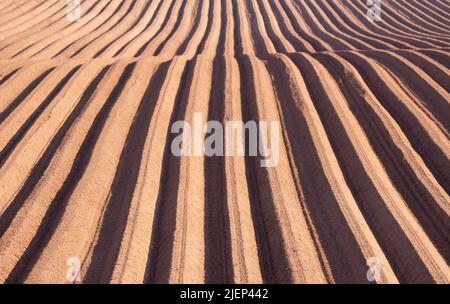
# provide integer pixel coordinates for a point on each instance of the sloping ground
(86, 169)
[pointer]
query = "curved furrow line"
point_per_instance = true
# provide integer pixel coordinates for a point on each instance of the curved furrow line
(122, 39)
(412, 23)
(427, 14)
(138, 45)
(434, 69)
(212, 42)
(168, 26)
(6, 6)
(49, 19)
(156, 11)
(17, 124)
(441, 56)
(19, 84)
(198, 30)
(19, 98)
(38, 39)
(436, 7)
(78, 45)
(429, 142)
(131, 263)
(391, 25)
(27, 210)
(68, 29)
(289, 253)
(29, 8)
(352, 25)
(408, 249)
(28, 20)
(120, 14)
(128, 17)
(262, 43)
(373, 28)
(408, 172)
(272, 24)
(441, 4)
(433, 99)
(337, 212)
(14, 6)
(63, 29)
(407, 22)
(287, 28)
(421, 20)
(385, 28)
(36, 132)
(142, 22)
(327, 143)
(192, 13)
(259, 29)
(243, 39)
(82, 205)
(106, 13)
(333, 29)
(110, 232)
(7, 76)
(318, 29)
(49, 207)
(301, 27)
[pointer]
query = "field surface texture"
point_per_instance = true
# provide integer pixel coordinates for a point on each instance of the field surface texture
(87, 176)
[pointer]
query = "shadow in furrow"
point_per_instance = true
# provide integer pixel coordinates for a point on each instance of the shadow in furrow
(439, 56)
(163, 25)
(40, 167)
(14, 141)
(256, 32)
(56, 41)
(161, 246)
(218, 260)
(92, 31)
(403, 257)
(5, 78)
(341, 250)
(194, 29)
(313, 41)
(433, 155)
(269, 239)
(174, 30)
(22, 96)
(433, 219)
(430, 97)
(223, 30)
(138, 19)
(149, 24)
(295, 42)
(59, 203)
(206, 35)
(68, 24)
(238, 46)
(115, 218)
(110, 29)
